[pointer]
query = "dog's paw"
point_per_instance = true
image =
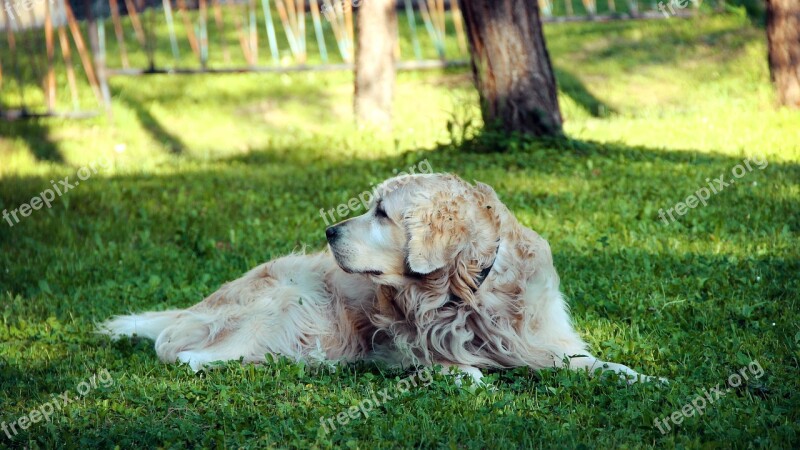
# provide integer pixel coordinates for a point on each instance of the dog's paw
(460, 372)
(195, 360)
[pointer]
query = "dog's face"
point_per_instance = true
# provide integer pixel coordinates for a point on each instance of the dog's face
(417, 225)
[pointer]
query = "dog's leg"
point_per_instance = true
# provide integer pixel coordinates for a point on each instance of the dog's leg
(554, 341)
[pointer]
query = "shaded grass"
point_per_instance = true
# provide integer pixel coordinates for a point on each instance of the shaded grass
(693, 301)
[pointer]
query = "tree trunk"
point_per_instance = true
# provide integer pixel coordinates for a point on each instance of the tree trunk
(511, 66)
(783, 39)
(375, 72)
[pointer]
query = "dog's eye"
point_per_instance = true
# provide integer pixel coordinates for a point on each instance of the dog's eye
(380, 212)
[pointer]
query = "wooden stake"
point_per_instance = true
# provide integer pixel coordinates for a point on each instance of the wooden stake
(348, 20)
(301, 28)
(137, 24)
(187, 23)
(204, 33)
(85, 59)
(119, 32)
(287, 26)
(237, 23)
(251, 9)
(270, 26)
(442, 19)
(292, 14)
(173, 39)
(338, 32)
(51, 76)
(11, 39)
(66, 54)
(430, 26)
(323, 50)
(221, 30)
(458, 21)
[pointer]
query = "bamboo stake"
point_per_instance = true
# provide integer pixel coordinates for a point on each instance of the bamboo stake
(10, 18)
(220, 22)
(442, 19)
(430, 6)
(323, 51)
(292, 15)
(590, 6)
(270, 26)
(66, 55)
(84, 56)
(173, 39)
(570, 12)
(253, 31)
(237, 23)
(336, 26)
(203, 33)
(348, 20)
(412, 23)
(221, 30)
(301, 28)
(51, 76)
(31, 44)
(15, 19)
(429, 26)
(187, 23)
(114, 6)
(458, 21)
(137, 24)
(287, 27)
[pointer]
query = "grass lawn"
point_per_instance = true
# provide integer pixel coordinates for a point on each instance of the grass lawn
(201, 178)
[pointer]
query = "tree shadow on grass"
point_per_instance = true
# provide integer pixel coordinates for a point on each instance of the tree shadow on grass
(572, 86)
(35, 132)
(151, 124)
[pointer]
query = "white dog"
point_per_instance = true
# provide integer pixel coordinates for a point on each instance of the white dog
(436, 272)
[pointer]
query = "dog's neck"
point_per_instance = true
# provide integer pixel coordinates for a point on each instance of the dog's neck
(484, 273)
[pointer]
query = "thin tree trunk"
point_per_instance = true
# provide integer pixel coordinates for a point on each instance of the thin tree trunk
(783, 38)
(511, 66)
(374, 62)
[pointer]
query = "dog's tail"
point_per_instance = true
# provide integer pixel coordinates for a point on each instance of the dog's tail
(149, 324)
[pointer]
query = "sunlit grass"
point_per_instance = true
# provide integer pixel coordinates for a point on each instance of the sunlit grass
(211, 175)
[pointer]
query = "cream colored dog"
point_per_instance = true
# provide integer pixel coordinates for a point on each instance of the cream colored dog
(436, 272)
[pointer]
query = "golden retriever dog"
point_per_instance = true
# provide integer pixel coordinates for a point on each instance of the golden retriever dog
(437, 271)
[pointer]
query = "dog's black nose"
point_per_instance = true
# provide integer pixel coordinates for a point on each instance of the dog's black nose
(330, 233)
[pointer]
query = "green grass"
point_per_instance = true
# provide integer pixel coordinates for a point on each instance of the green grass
(210, 176)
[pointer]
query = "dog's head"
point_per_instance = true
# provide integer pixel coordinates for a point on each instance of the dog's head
(422, 226)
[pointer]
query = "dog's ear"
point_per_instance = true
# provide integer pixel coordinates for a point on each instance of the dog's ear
(459, 232)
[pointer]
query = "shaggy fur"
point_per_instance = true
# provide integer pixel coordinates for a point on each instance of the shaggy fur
(437, 272)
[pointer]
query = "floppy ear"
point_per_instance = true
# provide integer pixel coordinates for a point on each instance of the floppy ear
(459, 232)
(435, 233)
